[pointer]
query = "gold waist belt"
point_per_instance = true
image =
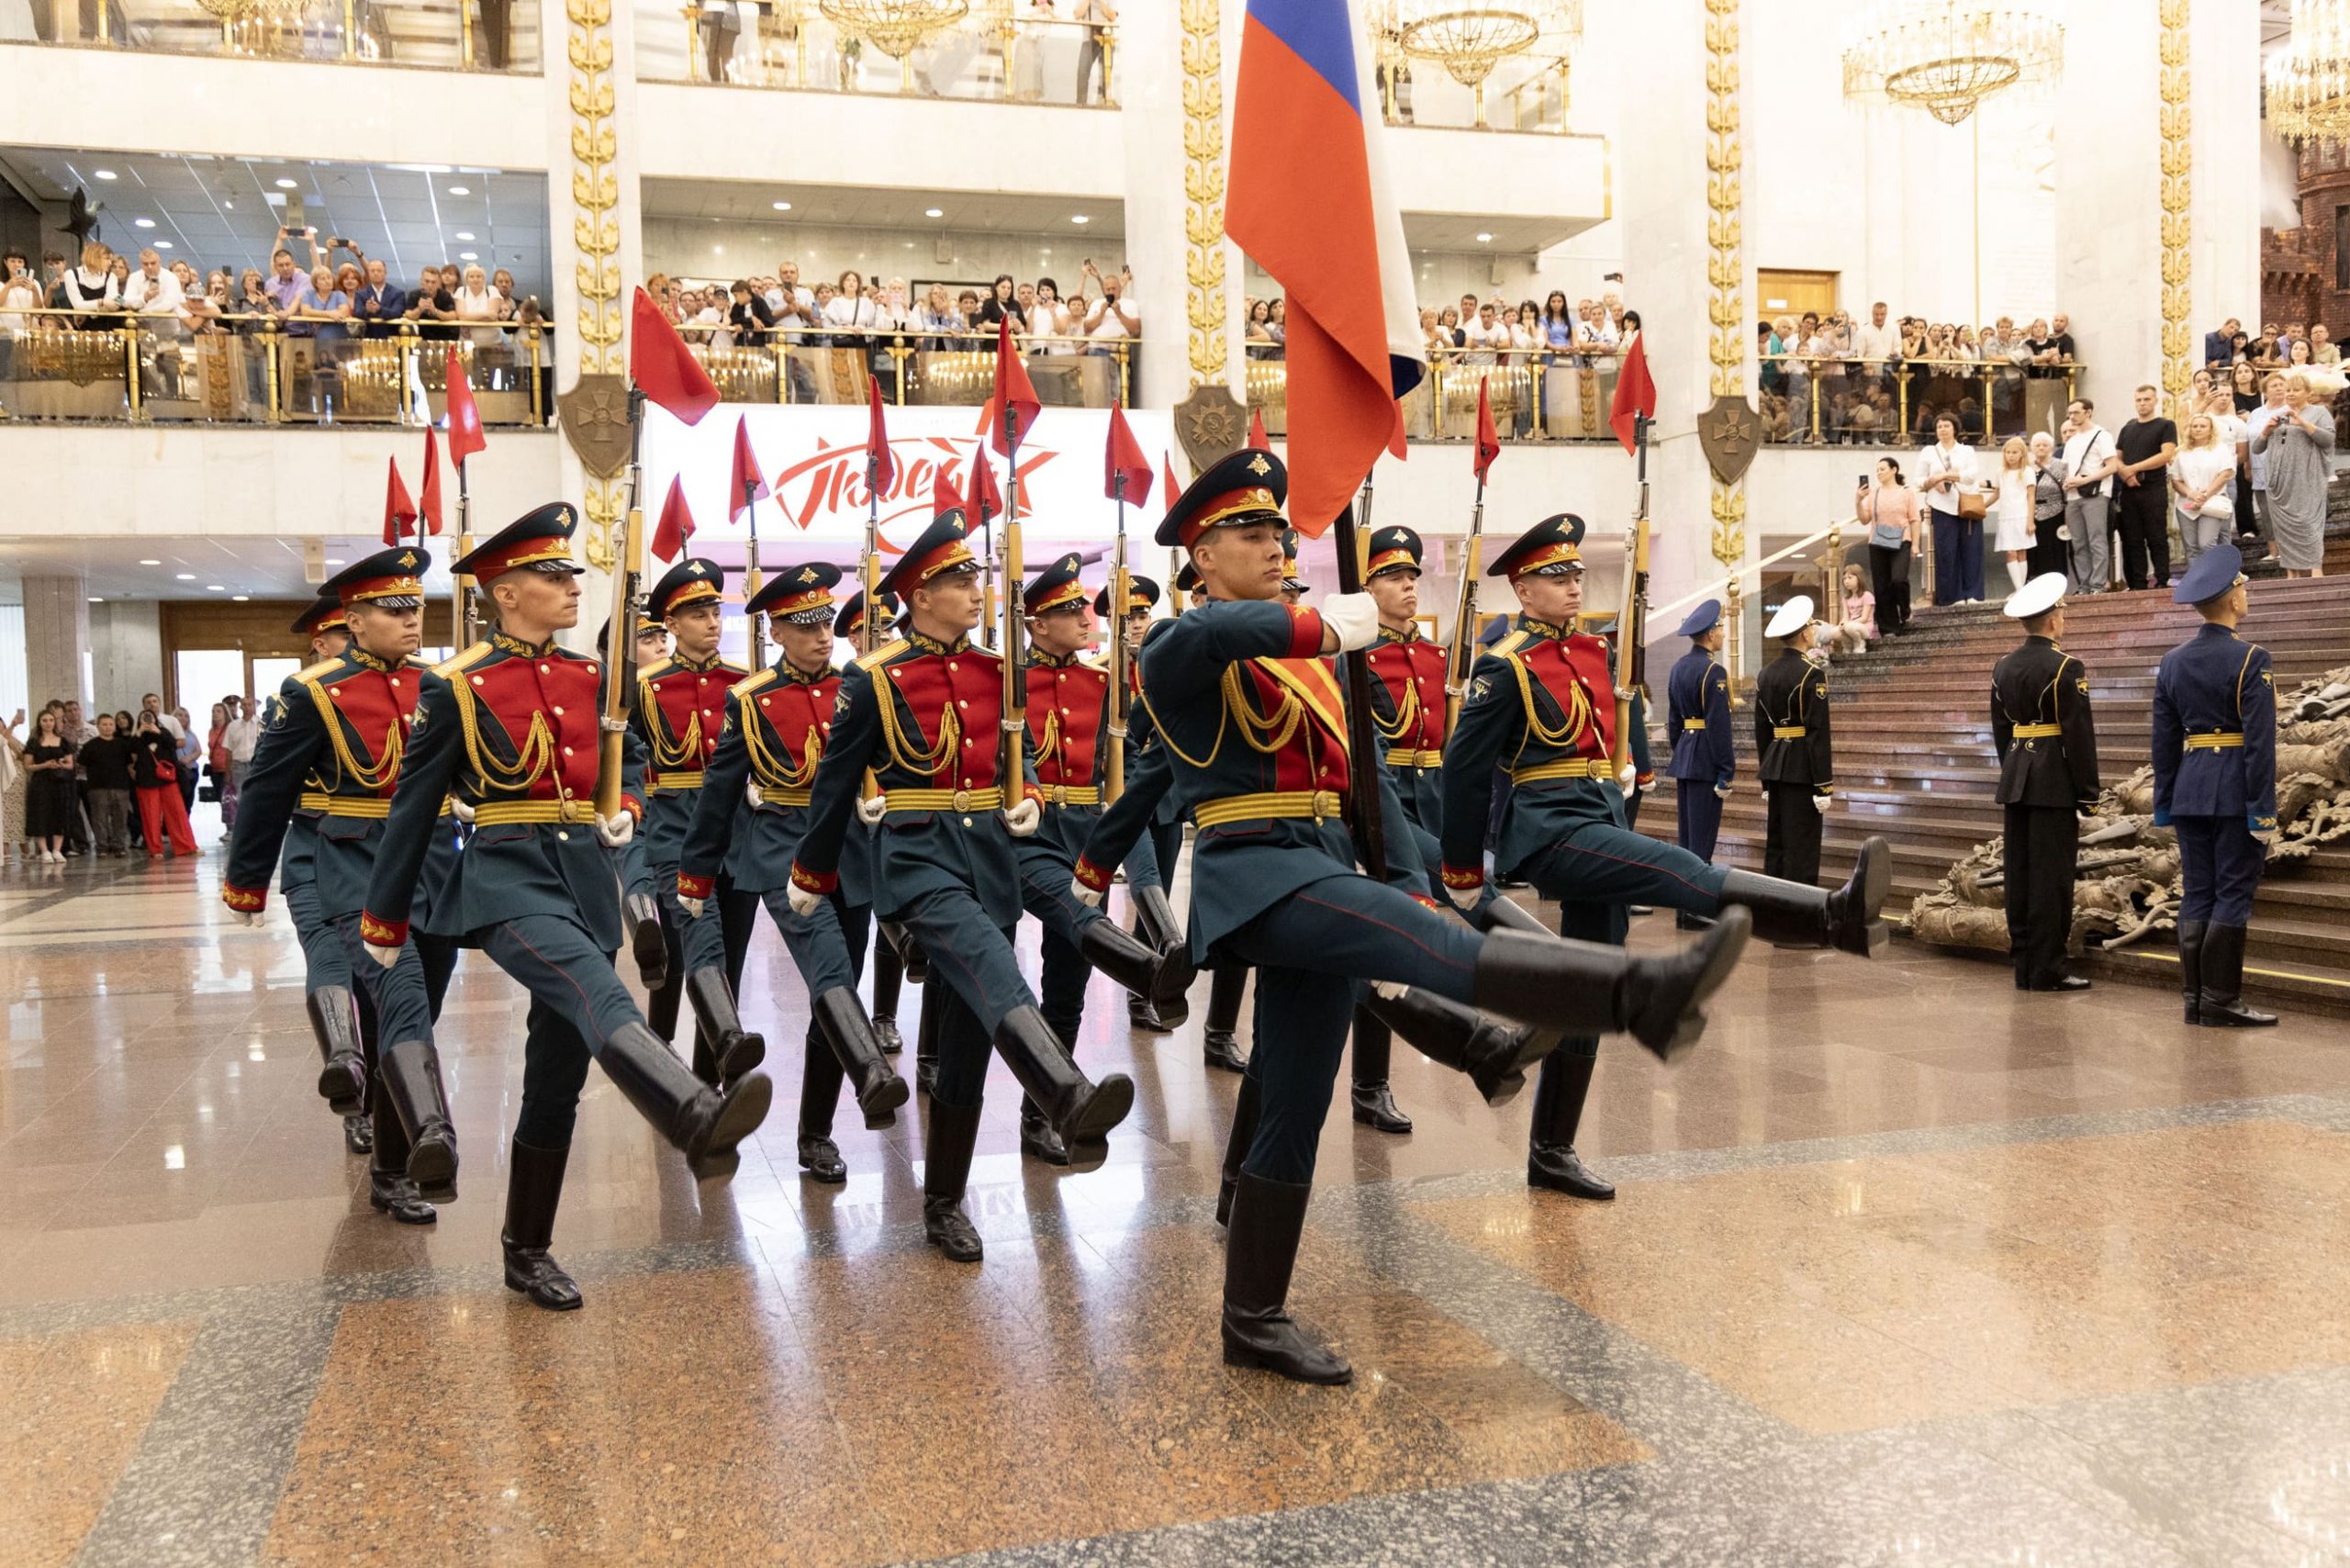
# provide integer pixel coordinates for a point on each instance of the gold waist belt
(986, 799)
(1698, 724)
(1073, 794)
(1574, 768)
(347, 805)
(1417, 758)
(498, 814)
(2038, 731)
(785, 797)
(1315, 803)
(2217, 740)
(677, 781)
(1787, 732)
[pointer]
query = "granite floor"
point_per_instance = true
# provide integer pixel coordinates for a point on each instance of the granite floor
(1906, 1268)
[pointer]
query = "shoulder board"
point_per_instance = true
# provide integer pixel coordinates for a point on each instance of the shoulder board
(1100, 666)
(731, 667)
(750, 683)
(414, 663)
(881, 655)
(1511, 643)
(658, 667)
(312, 672)
(466, 660)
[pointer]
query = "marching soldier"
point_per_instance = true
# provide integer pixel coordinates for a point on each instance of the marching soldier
(925, 715)
(1704, 760)
(2047, 745)
(1249, 714)
(890, 968)
(2215, 785)
(775, 727)
(323, 779)
(513, 724)
(1541, 701)
(1797, 762)
(680, 708)
(1154, 917)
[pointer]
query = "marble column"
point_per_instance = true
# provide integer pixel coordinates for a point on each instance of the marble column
(1150, 95)
(2110, 199)
(57, 636)
(2223, 96)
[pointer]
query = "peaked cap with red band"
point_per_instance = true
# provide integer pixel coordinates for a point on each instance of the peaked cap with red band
(540, 541)
(1141, 594)
(801, 596)
(943, 547)
(849, 623)
(1248, 487)
(389, 580)
(691, 581)
(1550, 548)
(1394, 548)
(1054, 588)
(324, 615)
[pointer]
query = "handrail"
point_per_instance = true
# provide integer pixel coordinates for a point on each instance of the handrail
(1706, 591)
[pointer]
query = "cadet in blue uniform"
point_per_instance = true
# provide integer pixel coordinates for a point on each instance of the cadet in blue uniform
(333, 750)
(893, 951)
(2047, 745)
(775, 727)
(1797, 756)
(1541, 702)
(925, 714)
(681, 707)
(1249, 714)
(513, 724)
(2215, 785)
(1704, 762)
(1154, 916)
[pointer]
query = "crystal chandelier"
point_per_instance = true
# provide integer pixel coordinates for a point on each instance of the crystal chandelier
(2309, 88)
(896, 27)
(1468, 38)
(1946, 56)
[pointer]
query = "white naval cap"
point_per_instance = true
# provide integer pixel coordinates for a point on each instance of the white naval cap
(1793, 617)
(2038, 597)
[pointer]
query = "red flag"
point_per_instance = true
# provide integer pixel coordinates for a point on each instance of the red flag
(1125, 457)
(981, 500)
(464, 420)
(1257, 439)
(676, 524)
(1012, 390)
(399, 509)
(943, 496)
(429, 505)
(1167, 471)
(746, 484)
(878, 461)
(663, 367)
(1489, 440)
(1635, 393)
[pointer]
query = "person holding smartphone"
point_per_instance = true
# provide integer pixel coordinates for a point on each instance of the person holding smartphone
(1889, 507)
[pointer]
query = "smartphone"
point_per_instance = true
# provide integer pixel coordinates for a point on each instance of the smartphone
(1863, 482)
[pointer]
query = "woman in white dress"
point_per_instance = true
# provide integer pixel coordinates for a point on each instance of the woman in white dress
(2011, 501)
(2202, 481)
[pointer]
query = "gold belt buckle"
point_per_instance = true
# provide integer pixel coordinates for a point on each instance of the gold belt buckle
(962, 799)
(1060, 794)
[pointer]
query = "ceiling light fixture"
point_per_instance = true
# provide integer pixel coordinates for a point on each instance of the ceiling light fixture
(1080, 218)
(932, 212)
(95, 599)
(461, 190)
(185, 577)
(1947, 58)
(240, 598)
(286, 185)
(783, 207)
(1484, 238)
(150, 562)
(162, 244)
(142, 223)
(469, 256)
(216, 587)
(104, 173)
(464, 234)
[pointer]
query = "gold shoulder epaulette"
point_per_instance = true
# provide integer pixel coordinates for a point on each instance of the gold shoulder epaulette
(1516, 639)
(658, 667)
(731, 667)
(751, 683)
(881, 655)
(472, 656)
(310, 673)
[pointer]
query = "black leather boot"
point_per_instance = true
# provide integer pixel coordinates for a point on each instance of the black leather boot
(946, 1166)
(909, 954)
(1260, 1252)
(702, 1121)
(661, 1003)
(886, 1035)
(926, 1043)
(820, 1091)
(1796, 915)
(1551, 1160)
(889, 977)
(358, 1134)
(1247, 1108)
(1495, 1055)
(1037, 1138)
(334, 1019)
(409, 1077)
(1374, 1101)
(1079, 1110)
(1584, 988)
(2221, 1006)
(1142, 1015)
(389, 1191)
(735, 1048)
(2191, 967)
(533, 1188)
(1155, 925)
(855, 1045)
(1218, 1041)
(646, 940)
(1160, 975)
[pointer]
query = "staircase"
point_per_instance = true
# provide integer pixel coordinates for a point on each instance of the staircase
(1914, 762)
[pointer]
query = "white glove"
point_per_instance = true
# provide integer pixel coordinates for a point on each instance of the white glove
(386, 958)
(1352, 619)
(1649, 788)
(751, 793)
(1722, 790)
(2268, 838)
(870, 812)
(1464, 899)
(462, 811)
(1021, 820)
(804, 902)
(615, 832)
(1390, 990)
(1821, 802)
(245, 916)
(1084, 894)
(1628, 779)
(691, 906)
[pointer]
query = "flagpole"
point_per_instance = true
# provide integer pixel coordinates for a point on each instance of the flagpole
(464, 623)
(1462, 655)
(1629, 629)
(1121, 589)
(751, 580)
(620, 630)
(1362, 757)
(1015, 679)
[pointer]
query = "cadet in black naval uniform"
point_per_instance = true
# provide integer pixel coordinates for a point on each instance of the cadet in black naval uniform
(1704, 761)
(329, 758)
(514, 725)
(1797, 762)
(2215, 785)
(2046, 740)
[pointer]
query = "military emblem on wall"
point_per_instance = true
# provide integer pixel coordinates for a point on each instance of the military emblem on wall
(595, 421)
(1729, 431)
(1211, 424)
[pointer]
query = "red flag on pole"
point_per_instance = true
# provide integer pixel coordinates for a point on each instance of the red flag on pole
(676, 524)
(746, 484)
(662, 366)
(1257, 439)
(981, 500)
(943, 496)
(428, 502)
(1166, 472)
(1635, 393)
(1123, 456)
(1489, 440)
(464, 418)
(883, 468)
(1012, 391)
(399, 509)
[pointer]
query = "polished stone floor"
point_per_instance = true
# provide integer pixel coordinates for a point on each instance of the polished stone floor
(1908, 1267)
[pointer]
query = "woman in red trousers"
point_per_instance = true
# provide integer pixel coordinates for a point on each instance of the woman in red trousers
(154, 768)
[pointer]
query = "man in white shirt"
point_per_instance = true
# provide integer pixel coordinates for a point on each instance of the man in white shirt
(242, 733)
(2090, 458)
(1481, 336)
(2272, 387)
(156, 296)
(793, 307)
(1113, 315)
(1877, 340)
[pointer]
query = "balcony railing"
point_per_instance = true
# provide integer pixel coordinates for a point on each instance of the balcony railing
(1537, 395)
(1810, 401)
(449, 35)
(1526, 94)
(995, 55)
(115, 369)
(800, 364)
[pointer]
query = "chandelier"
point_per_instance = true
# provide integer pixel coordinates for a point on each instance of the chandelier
(2309, 87)
(896, 27)
(229, 10)
(1468, 38)
(1946, 56)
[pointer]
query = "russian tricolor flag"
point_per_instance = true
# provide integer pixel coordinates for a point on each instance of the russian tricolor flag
(1309, 201)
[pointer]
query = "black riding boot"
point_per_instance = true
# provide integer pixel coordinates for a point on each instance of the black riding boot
(409, 1076)
(946, 1166)
(1155, 926)
(820, 1090)
(909, 953)
(533, 1188)
(1550, 1160)
(694, 1117)
(1495, 1055)
(854, 1046)
(1079, 1111)
(1259, 1250)
(735, 1048)
(662, 1000)
(2222, 1002)
(389, 1191)
(647, 939)
(1374, 1101)
(1245, 1110)
(1217, 1040)
(1794, 914)
(1582, 988)
(334, 1019)
(2191, 967)
(888, 975)
(1159, 974)
(926, 1040)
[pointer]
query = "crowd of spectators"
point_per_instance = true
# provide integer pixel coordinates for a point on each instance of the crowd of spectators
(1830, 380)
(108, 786)
(854, 312)
(2275, 348)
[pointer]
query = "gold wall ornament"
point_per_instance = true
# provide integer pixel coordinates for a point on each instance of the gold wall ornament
(1725, 271)
(2178, 219)
(1946, 56)
(1203, 187)
(596, 233)
(2308, 93)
